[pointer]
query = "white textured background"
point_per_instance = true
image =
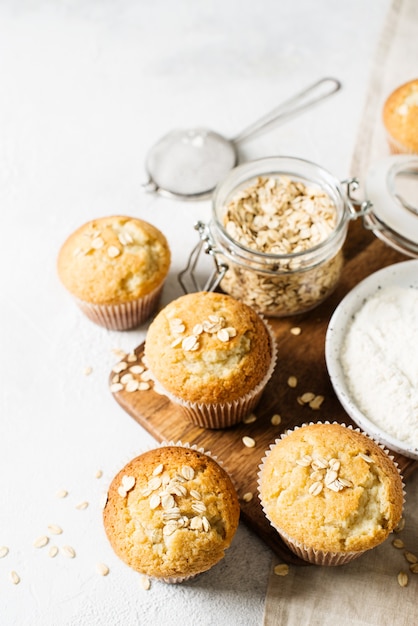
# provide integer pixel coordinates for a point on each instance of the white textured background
(86, 87)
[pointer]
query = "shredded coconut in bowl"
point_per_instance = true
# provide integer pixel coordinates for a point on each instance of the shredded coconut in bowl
(379, 359)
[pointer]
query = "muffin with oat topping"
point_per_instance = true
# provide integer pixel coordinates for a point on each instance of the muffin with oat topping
(331, 492)
(115, 268)
(171, 512)
(400, 118)
(211, 355)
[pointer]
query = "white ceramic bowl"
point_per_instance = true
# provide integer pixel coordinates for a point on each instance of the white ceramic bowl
(403, 274)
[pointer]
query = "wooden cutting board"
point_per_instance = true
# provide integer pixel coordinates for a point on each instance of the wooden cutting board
(302, 356)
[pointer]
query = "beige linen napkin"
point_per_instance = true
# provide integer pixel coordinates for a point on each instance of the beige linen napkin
(366, 591)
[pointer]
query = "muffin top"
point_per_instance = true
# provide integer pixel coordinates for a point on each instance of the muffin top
(400, 115)
(113, 260)
(171, 512)
(331, 488)
(208, 347)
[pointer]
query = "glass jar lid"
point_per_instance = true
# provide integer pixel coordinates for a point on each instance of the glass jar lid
(392, 188)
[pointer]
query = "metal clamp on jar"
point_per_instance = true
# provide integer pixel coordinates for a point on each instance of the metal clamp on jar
(276, 235)
(392, 188)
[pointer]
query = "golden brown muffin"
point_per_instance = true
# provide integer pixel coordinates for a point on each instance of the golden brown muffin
(400, 117)
(332, 490)
(171, 513)
(210, 349)
(115, 268)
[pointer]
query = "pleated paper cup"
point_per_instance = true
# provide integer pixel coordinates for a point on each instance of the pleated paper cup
(124, 316)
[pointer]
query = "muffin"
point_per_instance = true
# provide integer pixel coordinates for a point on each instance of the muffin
(171, 512)
(331, 492)
(212, 355)
(115, 268)
(400, 118)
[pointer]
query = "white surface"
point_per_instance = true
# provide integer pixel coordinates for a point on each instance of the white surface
(400, 275)
(87, 87)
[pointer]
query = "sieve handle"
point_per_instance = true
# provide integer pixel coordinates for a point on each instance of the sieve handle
(295, 105)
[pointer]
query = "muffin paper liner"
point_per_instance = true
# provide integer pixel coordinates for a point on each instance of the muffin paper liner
(225, 414)
(180, 444)
(304, 551)
(122, 316)
(396, 147)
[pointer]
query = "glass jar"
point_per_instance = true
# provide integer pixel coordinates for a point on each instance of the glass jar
(279, 284)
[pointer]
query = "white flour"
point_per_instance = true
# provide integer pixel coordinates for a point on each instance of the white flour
(380, 361)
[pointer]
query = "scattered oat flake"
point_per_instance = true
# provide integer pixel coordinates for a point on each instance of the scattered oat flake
(190, 343)
(68, 551)
(125, 238)
(316, 403)
(4, 551)
(145, 582)
(87, 371)
(119, 353)
(276, 419)
(40, 542)
(414, 568)
(403, 579)
(113, 252)
(366, 458)
(305, 461)
(115, 387)
(187, 472)
(247, 497)
(249, 419)
(410, 557)
(14, 577)
(306, 397)
(400, 526)
(131, 358)
(53, 551)
(292, 381)
(154, 501)
(128, 482)
(82, 505)
(319, 462)
(158, 470)
(132, 385)
(98, 474)
(296, 330)
(316, 488)
(223, 335)
(55, 529)
(249, 442)
(102, 569)
(97, 243)
(119, 367)
(63, 493)
(281, 570)
(398, 543)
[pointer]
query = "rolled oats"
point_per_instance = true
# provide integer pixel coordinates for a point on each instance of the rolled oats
(283, 218)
